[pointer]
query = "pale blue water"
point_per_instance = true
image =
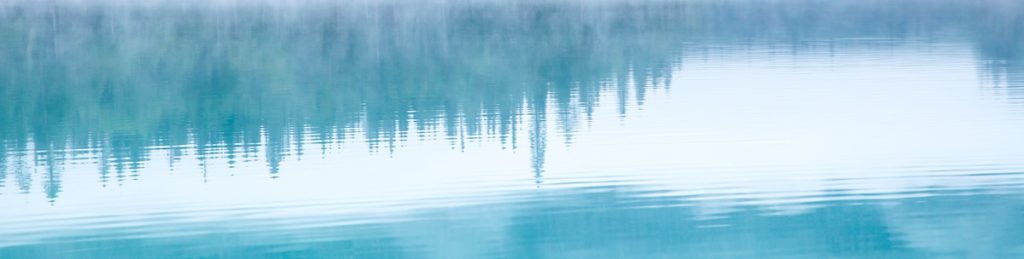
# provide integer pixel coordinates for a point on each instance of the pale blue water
(512, 129)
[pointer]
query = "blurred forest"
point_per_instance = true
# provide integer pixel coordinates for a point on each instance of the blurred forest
(113, 82)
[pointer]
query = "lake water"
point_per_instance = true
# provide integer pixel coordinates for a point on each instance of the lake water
(520, 129)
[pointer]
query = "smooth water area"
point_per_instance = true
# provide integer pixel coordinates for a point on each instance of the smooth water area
(520, 129)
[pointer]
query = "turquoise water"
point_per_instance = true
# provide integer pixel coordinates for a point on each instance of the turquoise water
(512, 129)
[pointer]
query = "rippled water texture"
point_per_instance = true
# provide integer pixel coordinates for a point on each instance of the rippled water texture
(481, 129)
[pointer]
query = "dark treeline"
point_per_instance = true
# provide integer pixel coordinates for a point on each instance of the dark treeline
(114, 82)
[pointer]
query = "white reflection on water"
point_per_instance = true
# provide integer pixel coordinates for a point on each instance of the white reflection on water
(827, 128)
(900, 145)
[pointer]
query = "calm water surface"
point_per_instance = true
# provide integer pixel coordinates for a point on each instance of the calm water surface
(480, 129)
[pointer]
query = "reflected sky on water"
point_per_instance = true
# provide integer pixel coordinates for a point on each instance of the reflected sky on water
(487, 129)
